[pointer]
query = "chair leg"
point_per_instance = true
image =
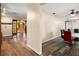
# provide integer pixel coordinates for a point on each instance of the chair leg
(70, 44)
(66, 43)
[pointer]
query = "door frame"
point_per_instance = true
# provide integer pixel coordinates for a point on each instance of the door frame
(0, 30)
(12, 27)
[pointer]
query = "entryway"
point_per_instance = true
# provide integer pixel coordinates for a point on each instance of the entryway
(19, 31)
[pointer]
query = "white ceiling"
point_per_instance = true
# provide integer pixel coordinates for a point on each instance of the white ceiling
(61, 9)
(15, 9)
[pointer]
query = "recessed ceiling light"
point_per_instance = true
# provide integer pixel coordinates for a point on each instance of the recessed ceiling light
(42, 3)
(53, 13)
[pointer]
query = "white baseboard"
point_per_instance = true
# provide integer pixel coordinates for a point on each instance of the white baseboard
(40, 53)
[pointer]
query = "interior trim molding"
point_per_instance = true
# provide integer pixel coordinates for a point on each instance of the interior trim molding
(7, 23)
(40, 53)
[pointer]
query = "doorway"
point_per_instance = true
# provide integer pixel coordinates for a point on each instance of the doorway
(19, 31)
(14, 27)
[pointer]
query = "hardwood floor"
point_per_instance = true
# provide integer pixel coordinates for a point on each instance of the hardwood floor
(9, 48)
(57, 47)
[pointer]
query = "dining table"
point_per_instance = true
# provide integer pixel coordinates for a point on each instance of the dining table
(75, 35)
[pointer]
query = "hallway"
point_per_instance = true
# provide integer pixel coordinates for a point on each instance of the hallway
(8, 48)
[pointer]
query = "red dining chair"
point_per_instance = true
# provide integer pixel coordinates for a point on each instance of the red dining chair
(68, 38)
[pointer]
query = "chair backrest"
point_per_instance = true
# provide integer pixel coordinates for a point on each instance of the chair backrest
(67, 36)
(62, 33)
(69, 30)
(76, 31)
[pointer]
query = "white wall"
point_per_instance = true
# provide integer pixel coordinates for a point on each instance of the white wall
(51, 26)
(76, 24)
(6, 29)
(41, 27)
(34, 40)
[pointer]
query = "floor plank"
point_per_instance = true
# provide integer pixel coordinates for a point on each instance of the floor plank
(8, 48)
(57, 47)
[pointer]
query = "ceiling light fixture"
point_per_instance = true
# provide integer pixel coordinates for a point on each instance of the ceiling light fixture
(77, 12)
(53, 13)
(3, 12)
(42, 3)
(72, 13)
